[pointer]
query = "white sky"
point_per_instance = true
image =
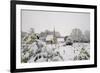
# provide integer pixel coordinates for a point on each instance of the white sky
(63, 22)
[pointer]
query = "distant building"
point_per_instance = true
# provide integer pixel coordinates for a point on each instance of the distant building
(60, 39)
(49, 39)
(52, 37)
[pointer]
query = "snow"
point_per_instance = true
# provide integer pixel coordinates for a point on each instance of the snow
(55, 52)
(67, 52)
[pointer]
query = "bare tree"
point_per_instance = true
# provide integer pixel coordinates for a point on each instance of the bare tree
(76, 35)
(87, 35)
(31, 30)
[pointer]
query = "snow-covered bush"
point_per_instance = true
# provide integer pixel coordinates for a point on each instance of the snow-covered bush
(83, 55)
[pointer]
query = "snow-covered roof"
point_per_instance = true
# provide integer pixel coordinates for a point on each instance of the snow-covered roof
(49, 37)
(60, 39)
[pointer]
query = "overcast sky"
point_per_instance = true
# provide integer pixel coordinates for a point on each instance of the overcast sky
(63, 22)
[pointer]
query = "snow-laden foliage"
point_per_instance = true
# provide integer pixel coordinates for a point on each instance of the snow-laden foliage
(36, 50)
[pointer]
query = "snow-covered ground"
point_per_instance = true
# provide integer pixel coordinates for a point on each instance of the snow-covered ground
(41, 52)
